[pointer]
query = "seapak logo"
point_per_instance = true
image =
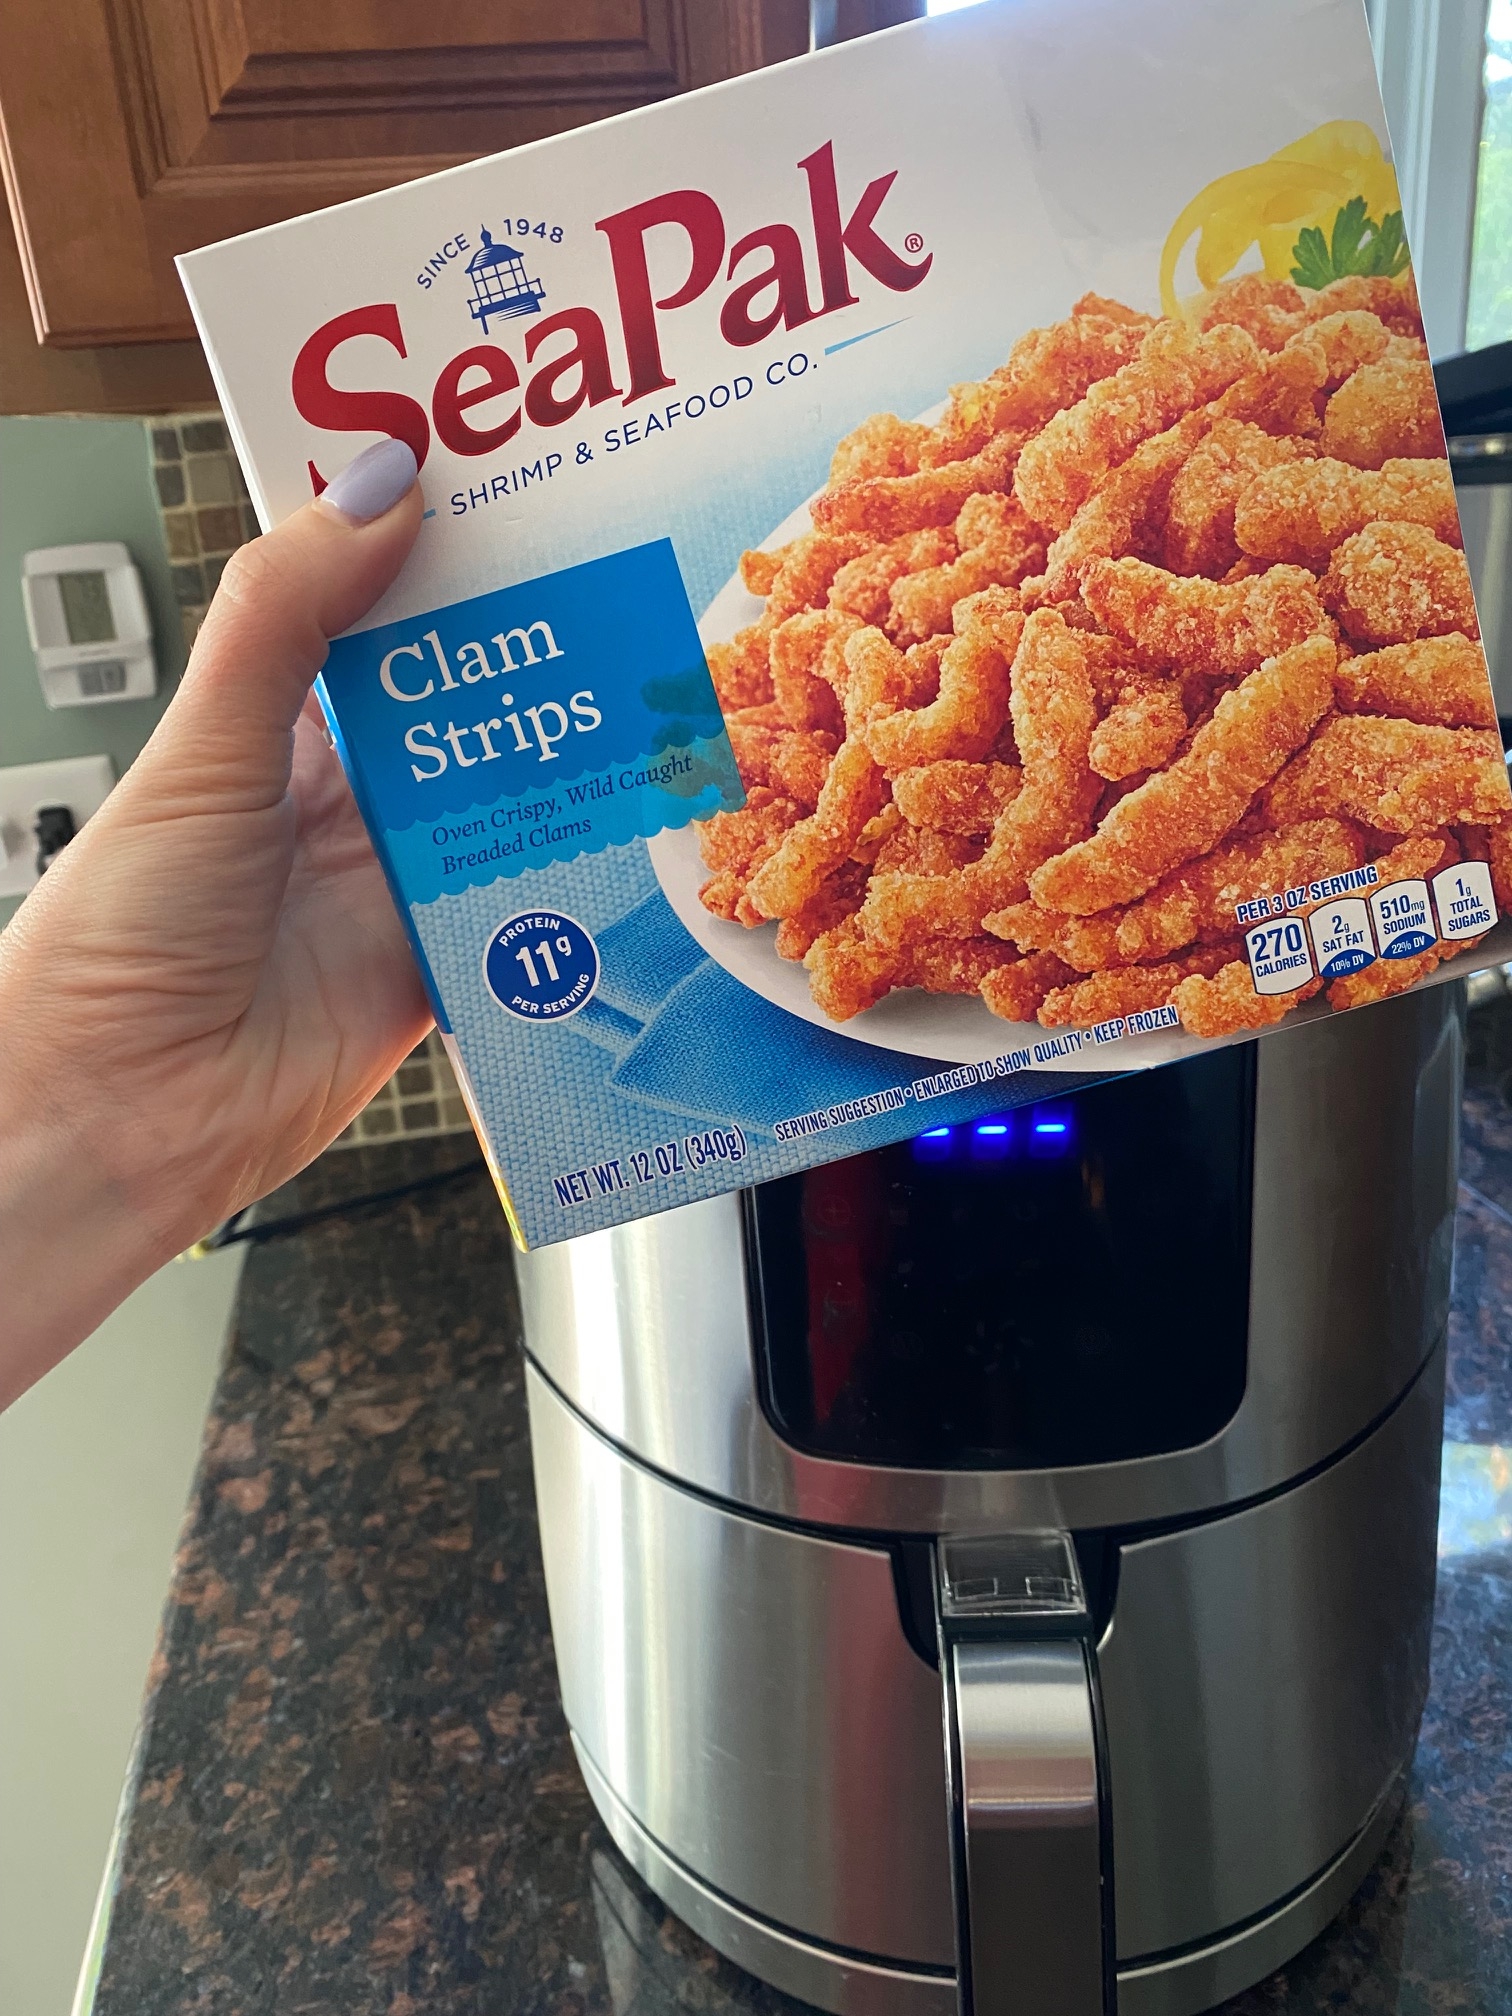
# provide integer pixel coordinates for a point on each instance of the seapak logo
(500, 283)
(481, 397)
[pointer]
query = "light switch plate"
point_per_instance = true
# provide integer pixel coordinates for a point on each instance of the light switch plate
(82, 783)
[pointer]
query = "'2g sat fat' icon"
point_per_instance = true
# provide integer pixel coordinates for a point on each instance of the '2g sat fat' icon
(1341, 938)
(541, 966)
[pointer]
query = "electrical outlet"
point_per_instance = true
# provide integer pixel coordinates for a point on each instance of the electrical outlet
(82, 784)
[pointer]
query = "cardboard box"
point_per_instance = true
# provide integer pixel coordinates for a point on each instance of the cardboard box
(1111, 700)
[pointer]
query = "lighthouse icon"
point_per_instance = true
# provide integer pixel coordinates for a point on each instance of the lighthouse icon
(500, 284)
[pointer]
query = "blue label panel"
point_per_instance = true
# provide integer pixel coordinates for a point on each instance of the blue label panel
(537, 723)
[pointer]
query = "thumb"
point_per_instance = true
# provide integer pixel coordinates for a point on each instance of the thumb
(228, 736)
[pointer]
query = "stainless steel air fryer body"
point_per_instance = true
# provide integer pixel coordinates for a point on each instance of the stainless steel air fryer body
(1178, 1688)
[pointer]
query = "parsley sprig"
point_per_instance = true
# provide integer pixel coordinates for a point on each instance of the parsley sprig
(1359, 246)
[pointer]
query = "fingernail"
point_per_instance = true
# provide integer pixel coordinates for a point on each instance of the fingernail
(373, 483)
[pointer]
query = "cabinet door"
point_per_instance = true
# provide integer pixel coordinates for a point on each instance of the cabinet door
(132, 130)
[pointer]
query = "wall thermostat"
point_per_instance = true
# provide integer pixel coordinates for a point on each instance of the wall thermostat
(89, 627)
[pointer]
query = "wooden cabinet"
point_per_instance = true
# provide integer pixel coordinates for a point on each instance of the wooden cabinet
(133, 130)
(116, 378)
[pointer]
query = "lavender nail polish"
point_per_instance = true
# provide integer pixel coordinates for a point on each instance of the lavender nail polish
(373, 483)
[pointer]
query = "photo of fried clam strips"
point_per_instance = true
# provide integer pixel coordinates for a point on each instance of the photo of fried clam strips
(887, 507)
(1384, 410)
(1126, 990)
(966, 716)
(1302, 512)
(1142, 730)
(1282, 393)
(1274, 311)
(1120, 515)
(1392, 582)
(1065, 805)
(1396, 775)
(1271, 310)
(1198, 904)
(1422, 856)
(850, 972)
(1215, 627)
(863, 586)
(1226, 1003)
(996, 547)
(733, 843)
(817, 845)
(1492, 843)
(884, 445)
(1176, 369)
(1084, 943)
(741, 669)
(1394, 301)
(1442, 682)
(790, 760)
(732, 840)
(1347, 341)
(808, 567)
(837, 897)
(1016, 989)
(956, 796)
(804, 686)
(879, 679)
(1200, 901)
(1199, 518)
(1047, 369)
(1054, 712)
(1184, 811)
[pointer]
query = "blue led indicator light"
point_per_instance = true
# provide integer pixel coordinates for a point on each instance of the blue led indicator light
(1051, 1131)
(991, 1139)
(935, 1146)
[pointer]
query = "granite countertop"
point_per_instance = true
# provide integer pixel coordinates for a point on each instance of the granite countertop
(354, 1790)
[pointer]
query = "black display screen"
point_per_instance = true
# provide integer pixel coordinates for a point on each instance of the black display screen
(1063, 1284)
(86, 608)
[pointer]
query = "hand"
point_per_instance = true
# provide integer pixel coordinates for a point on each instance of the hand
(212, 978)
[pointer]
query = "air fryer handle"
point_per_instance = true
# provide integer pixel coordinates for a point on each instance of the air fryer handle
(1031, 1900)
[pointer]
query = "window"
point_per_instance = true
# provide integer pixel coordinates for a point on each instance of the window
(1489, 313)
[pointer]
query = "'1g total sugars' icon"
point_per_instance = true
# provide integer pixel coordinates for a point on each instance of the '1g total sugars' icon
(1279, 960)
(1341, 938)
(1463, 898)
(1403, 922)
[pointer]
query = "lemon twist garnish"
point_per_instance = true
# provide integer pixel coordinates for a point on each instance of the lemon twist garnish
(1299, 188)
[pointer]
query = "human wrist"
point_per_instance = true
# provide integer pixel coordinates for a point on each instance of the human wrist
(77, 1231)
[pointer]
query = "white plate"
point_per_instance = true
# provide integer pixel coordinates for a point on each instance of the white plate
(950, 1028)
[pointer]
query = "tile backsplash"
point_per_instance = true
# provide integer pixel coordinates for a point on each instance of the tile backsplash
(206, 515)
(420, 1099)
(203, 499)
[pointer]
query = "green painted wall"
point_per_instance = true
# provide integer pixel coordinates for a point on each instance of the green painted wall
(63, 481)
